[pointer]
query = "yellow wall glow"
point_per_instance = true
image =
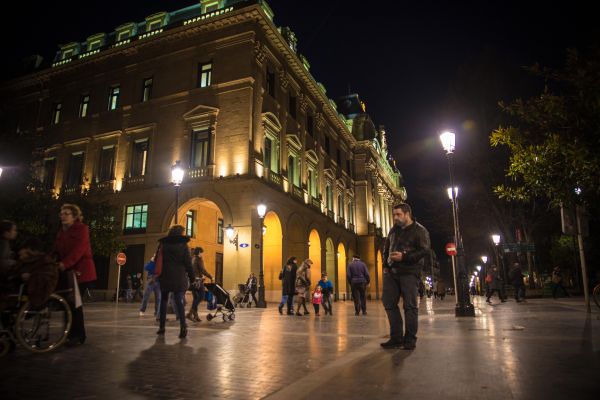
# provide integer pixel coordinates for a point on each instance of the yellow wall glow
(314, 253)
(272, 254)
(341, 255)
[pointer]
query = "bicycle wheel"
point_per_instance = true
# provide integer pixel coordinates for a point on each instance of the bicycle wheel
(596, 295)
(44, 329)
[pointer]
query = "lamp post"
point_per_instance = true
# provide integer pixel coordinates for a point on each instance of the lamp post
(176, 178)
(262, 211)
(463, 308)
(483, 274)
(499, 260)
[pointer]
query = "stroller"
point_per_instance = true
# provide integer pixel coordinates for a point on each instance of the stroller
(242, 297)
(225, 306)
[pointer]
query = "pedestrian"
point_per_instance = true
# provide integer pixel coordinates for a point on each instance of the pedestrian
(327, 290)
(405, 248)
(421, 288)
(516, 277)
(174, 264)
(74, 253)
(152, 286)
(251, 288)
(302, 286)
(8, 233)
(557, 282)
(317, 299)
(441, 288)
(198, 289)
(496, 283)
(129, 292)
(287, 276)
(435, 289)
(358, 276)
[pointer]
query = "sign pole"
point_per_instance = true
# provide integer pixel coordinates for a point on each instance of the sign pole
(118, 283)
(121, 260)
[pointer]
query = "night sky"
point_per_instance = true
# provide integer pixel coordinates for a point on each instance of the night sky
(401, 57)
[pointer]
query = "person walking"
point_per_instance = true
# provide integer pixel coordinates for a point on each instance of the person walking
(175, 274)
(516, 277)
(302, 285)
(358, 276)
(557, 282)
(441, 289)
(287, 276)
(495, 282)
(152, 286)
(317, 299)
(198, 284)
(251, 288)
(405, 248)
(74, 254)
(434, 288)
(327, 290)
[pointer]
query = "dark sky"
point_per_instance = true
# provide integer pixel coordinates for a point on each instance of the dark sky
(401, 57)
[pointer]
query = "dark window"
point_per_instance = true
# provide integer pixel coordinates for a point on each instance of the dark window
(204, 74)
(268, 151)
(56, 113)
(327, 144)
(291, 169)
(310, 124)
(339, 157)
(75, 171)
(106, 172)
(220, 227)
(293, 106)
(349, 167)
(147, 92)
(200, 148)
(49, 172)
(189, 223)
(329, 197)
(83, 105)
(136, 218)
(139, 158)
(113, 97)
(271, 83)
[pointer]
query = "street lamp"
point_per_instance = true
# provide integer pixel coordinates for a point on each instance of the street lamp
(463, 308)
(449, 190)
(496, 240)
(176, 178)
(484, 259)
(262, 211)
(229, 231)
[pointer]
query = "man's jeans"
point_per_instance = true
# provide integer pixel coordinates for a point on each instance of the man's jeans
(394, 287)
(178, 305)
(151, 288)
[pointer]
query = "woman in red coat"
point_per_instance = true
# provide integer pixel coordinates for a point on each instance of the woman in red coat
(75, 254)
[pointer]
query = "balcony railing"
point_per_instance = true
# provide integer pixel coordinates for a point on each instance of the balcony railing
(297, 192)
(104, 186)
(330, 214)
(71, 190)
(341, 221)
(200, 172)
(135, 180)
(275, 178)
(315, 202)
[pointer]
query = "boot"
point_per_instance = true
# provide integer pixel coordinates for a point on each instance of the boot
(182, 332)
(190, 315)
(196, 316)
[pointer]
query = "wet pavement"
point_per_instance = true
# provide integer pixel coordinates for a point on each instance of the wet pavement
(541, 349)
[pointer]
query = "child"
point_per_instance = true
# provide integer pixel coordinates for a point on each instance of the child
(317, 298)
(327, 290)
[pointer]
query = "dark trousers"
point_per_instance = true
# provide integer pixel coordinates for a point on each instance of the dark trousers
(287, 299)
(394, 287)
(359, 296)
(316, 306)
(555, 287)
(327, 304)
(499, 291)
(197, 295)
(78, 324)
(177, 304)
(519, 292)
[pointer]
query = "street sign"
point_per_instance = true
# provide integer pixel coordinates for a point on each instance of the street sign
(451, 249)
(121, 258)
(518, 247)
(244, 245)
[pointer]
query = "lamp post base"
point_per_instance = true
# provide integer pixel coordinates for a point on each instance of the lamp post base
(464, 310)
(261, 298)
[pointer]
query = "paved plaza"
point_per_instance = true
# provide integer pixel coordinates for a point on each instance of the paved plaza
(542, 349)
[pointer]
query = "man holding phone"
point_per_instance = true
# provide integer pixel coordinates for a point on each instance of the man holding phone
(406, 247)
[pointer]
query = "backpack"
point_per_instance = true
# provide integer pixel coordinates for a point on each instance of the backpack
(489, 278)
(158, 261)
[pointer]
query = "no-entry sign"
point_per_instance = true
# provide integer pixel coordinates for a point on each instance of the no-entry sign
(451, 249)
(121, 258)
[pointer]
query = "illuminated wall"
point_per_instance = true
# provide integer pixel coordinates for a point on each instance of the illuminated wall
(272, 256)
(314, 253)
(341, 263)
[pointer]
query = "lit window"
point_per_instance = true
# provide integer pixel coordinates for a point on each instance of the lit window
(94, 45)
(147, 92)
(67, 54)
(341, 205)
(113, 98)
(154, 25)
(83, 105)
(329, 197)
(139, 158)
(312, 182)
(189, 223)
(220, 227)
(200, 148)
(136, 218)
(123, 35)
(209, 6)
(56, 113)
(204, 75)
(294, 170)
(271, 154)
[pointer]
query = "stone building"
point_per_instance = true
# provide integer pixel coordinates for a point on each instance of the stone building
(219, 89)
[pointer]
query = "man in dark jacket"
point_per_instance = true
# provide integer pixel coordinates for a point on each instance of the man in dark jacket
(358, 276)
(405, 248)
(175, 274)
(287, 276)
(516, 279)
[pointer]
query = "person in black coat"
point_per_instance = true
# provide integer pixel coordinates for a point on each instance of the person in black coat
(287, 276)
(516, 279)
(251, 288)
(175, 274)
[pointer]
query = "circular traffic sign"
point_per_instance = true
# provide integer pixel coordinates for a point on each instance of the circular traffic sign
(451, 249)
(121, 258)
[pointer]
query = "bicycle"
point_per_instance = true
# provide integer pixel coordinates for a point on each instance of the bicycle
(38, 330)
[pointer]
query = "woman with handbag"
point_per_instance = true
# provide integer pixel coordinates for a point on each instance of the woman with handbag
(74, 252)
(303, 286)
(198, 284)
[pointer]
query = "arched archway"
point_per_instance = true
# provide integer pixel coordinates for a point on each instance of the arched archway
(379, 275)
(341, 272)
(297, 244)
(314, 253)
(272, 256)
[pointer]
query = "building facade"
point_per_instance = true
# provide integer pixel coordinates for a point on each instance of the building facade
(220, 89)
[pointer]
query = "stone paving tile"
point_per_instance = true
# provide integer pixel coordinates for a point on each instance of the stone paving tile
(507, 351)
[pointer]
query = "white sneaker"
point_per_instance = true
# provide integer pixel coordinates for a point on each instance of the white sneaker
(141, 313)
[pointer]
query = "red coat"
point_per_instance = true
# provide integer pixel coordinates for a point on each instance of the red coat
(74, 251)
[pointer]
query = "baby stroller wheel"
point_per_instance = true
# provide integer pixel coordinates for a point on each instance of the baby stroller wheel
(231, 317)
(224, 318)
(209, 317)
